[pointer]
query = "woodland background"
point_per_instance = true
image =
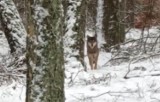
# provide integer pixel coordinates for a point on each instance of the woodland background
(43, 49)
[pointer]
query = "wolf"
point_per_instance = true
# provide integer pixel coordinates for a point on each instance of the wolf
(92, 51)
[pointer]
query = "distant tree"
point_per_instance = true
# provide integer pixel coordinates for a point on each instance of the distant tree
(75, 30)
(113, 22)
(130, 10)
(45, 63)
(91, 12)
(12, 26)
(79, 28)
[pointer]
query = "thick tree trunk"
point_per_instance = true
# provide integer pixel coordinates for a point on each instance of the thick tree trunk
(45, 75)
(112, 24)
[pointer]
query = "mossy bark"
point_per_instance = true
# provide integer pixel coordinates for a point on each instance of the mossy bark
(45, 62)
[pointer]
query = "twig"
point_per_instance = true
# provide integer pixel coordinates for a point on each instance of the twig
(12, 74)
(133, 40)
(136, 76)
(128, 70)
(155, 42)
(72, 79)
(108, 92)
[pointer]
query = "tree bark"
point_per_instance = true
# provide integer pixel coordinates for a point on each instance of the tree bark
(21, 7)
(79, 27)
(75, 30)
(12, 26)
(45, 74)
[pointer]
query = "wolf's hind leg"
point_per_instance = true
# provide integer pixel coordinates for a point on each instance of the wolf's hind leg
(95, 60)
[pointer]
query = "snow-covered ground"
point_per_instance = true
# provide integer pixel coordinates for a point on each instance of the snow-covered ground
(10, 91)
(4, 48)
(14, 92)
(106, 84)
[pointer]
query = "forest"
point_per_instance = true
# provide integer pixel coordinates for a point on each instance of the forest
(79, 51)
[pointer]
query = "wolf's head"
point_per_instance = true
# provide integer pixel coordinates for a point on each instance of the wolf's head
(92, 41)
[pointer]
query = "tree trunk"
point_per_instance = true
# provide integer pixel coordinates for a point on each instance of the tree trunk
(112, 24)
(45, 75)
(75, 30)
(91, 11)
(79, 27)
(130, 6)
(20, 4)
(12, 26)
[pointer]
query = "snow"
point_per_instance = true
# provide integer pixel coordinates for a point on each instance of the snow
(12, 93)
(15, 25)
(113, 86)
(4, 48)
(9, 90)
(99, 24)
(107, 83)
